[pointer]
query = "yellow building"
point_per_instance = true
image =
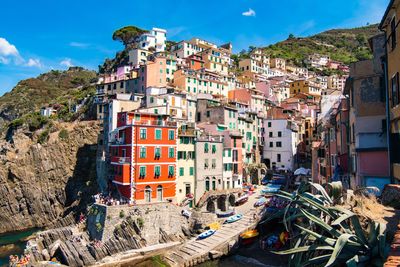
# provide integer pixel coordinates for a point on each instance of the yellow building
(306, 87)
(389, 25)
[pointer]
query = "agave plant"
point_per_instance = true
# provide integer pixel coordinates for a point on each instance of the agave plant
(325, 234)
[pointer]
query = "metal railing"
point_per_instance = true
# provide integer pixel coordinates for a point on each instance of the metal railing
(121, 160)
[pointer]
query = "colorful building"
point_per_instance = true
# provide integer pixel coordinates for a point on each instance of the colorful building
(143, 157)
(389, 25)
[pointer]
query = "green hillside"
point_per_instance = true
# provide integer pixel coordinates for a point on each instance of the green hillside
(345, 45)
(55, 87)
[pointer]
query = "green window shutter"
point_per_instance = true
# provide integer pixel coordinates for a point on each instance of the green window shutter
(191, 170)
(157, 152)
(142, 171)
(206, 148)
(214, 149)
(229, 153)
(171, 135)
(170, 170)
(181, 171)
(142, 152)
(171, 152)
(158, 134)
(157, 170)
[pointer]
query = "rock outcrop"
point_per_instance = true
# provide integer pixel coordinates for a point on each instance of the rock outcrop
(42, 183)
(140, 226)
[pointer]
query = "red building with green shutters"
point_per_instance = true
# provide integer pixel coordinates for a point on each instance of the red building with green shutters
(143, 156)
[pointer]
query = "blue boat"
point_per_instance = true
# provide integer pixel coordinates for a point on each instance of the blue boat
(234, 218)
(206, 234)
(260, 202)
(224, 214)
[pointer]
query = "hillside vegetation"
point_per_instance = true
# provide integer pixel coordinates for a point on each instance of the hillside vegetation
(345, 45)
(62, 88)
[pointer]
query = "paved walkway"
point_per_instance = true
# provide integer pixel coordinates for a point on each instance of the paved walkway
(196, 251)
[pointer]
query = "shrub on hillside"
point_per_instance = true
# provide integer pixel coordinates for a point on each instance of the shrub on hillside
(63, 134)
(43, 137)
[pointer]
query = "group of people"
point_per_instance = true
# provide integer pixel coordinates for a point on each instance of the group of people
(17, 261)
(109, 200)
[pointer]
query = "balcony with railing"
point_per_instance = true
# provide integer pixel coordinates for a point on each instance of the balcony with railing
(153, 123)
(121, 160)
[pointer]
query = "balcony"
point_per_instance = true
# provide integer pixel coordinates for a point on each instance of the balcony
(154, 123)
(186, 132)
(121, 160)
(100, 91)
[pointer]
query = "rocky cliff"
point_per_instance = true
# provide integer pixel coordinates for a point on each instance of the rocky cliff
(47, 184)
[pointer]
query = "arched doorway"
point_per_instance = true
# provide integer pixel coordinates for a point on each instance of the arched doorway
(147, 194)
(207, 184)
(214, 183)
(232, 200)
(221, 203)
(159, 193)
(210, 206)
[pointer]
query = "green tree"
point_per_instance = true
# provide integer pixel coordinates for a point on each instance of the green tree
(127, 34)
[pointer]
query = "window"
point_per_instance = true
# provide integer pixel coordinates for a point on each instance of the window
(269, 124)
(191, 171)
(208, 113)
(171, 171)
(187, 189)
(393, 33)
(214, 149)
(159, 193)
(395, 90)
(157, 152)
(143, 133)
(157, 171)
(214, 164)
(142, 152)
(205, 147)
(158, 134)
(205, 164)
(171, 135)
(181, 171)
(142, 171)
(270, 134)
(181, 154)
(278, 144)
(278, 157)
(279, 134)
(171, 152)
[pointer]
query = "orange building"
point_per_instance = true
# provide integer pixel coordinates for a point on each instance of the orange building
(143, 156)
(195, 62)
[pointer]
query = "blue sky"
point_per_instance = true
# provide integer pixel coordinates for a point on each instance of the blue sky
(36, 36)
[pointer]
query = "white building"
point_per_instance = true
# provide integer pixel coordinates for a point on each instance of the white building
(138, 57)
(280, 143)
(156, 39)
(185, 182)
(318, 61)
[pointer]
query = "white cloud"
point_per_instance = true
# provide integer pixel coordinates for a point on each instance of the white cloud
(249, 13)
(67, 62)
(78, 44)
(8, 51)
(32, 62)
